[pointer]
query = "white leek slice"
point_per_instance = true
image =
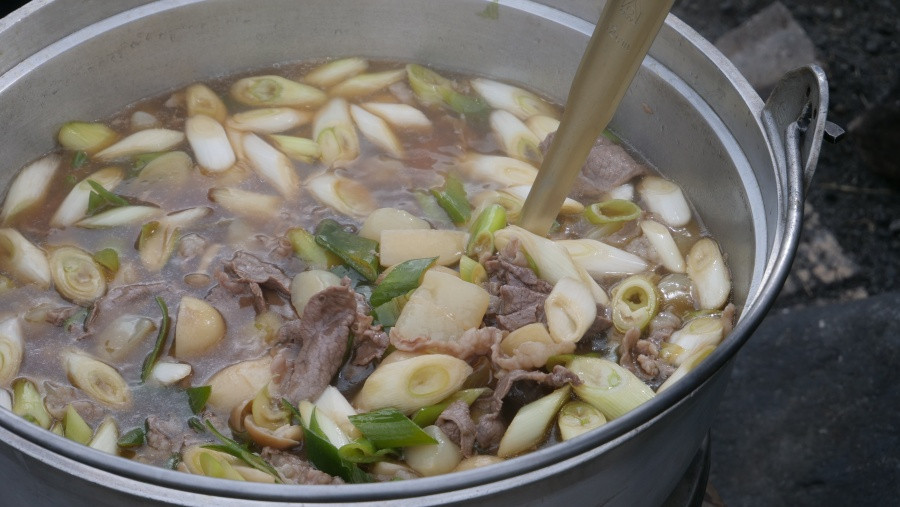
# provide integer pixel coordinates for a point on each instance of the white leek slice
(506, 171)
(200, 99)
(272, 165)
(384, 219)
(74, 206)
(300, 149)
(413, 383)
(99, 380)
(246, 203)
(330, 429)
(117, 217)
(334, 131)
(86, 137)
(331, 73)
(551, 259)
(661, 239)
(433, 459)
(523, 104)
(611, 388)
(5, 399)
(144, 141)
(376, 131)
(172, 168)
(707, 269)
(335, 406)
(530, 424)
(344, 195)
(106, 438)
(517, 140)
(600, 259)
(21, 259)
(402, 116)
(696, 334)
(276, 91)
(570, 310)
(542, 126)
(12, 349)
(76, 276)
(269, 120)
(209, 142)
(666, 200)
(624, 192)
(188, 216)
(141, 120)
(29, 186)
(577, 418)
(688, 365)
(367, 84)
(400, 245)
(168, 373)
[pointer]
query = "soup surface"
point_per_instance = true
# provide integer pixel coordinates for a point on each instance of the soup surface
(313, 275)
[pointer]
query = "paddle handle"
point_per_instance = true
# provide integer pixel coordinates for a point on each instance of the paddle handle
(620, 41)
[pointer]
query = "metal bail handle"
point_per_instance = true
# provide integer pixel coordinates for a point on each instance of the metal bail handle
(794, 117)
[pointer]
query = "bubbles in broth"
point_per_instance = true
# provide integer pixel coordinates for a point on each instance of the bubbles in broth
(312, 274)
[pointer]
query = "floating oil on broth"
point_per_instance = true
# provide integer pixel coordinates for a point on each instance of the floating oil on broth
(291, 230)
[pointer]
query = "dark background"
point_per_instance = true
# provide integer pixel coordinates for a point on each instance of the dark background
(811, 415)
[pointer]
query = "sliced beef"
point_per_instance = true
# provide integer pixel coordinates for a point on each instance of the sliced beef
(123, 296)
(224, 294)
(167, 436)
(296, 470)
(473, 342)
(608, 165)
(641, 355)
(456, 422)
(314, 347)
(249, 268)
(517, 294)
(490, 428)
(58, 316)
(370, 341)
(529, 355)
(58, 396)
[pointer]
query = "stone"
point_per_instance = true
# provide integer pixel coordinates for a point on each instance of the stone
(766, 46)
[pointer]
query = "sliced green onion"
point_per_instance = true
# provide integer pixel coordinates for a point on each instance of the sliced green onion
(578, 417)
(28, 404)
(426, 416)
(403, 278)
(388, 427)
(611, 388)
(109, 259)
(452, 197)
(323, 454)
(359, 253)
(85, 137)
(613, 211)
(197, 397)
(231, 447)
(101, 199)
(471, 270)
(153, 356)
(433, 89)
(387, 313)
(79, 159)
(481, 234)
(196, 424)
(305, 247)
(430, 207)
(74, 427)
(634, 303)
(362, 451)
(135, 437)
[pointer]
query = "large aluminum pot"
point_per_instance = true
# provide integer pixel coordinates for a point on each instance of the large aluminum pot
(742, 163)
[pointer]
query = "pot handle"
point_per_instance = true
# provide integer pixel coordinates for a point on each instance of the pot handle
(794, 118)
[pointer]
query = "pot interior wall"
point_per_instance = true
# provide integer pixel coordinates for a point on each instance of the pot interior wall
(120, 60)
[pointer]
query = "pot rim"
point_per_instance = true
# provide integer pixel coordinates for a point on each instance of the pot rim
(630, 425)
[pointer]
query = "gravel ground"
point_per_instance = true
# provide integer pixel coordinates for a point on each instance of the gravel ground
(858, 45)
